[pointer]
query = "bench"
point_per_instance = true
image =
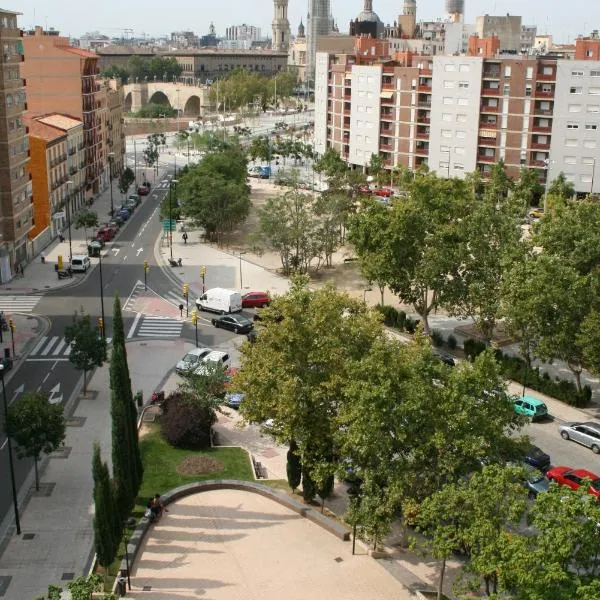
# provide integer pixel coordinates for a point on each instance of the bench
(259, 469)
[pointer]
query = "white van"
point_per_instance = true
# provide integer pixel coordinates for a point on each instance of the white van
(79, 263)
(220, 300)
(211, 362)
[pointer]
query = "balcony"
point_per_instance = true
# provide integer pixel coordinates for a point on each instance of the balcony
(487, 141)
(72, 170)
(540, 129)
(487, 91)
(542, 77)
(491, 74)
(347, 97)
(425, 120)
(486, 158)
(424, 88)
(538, 146)
(544, 93)
(72, 151)
(546, 112)
(422, 135)
(426, 72)
(387, 116)
(486, 108)
(386, 147)
(424, 104)
(488, 125)
(422, 150)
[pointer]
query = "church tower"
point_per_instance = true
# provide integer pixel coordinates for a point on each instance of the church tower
(281, 26)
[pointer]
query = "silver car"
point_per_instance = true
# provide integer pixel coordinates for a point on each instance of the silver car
(587, 434)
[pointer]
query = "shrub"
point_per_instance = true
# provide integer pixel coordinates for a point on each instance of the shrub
(186, 422)
(294, 466)
(411, 324)
(308, 486)
(437, 338)
(473, 348)
(401, 320)
(451, 342)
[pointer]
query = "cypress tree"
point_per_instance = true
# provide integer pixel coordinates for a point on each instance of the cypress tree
(308, 486)
(137, 470)
(121, 435)
(106, 540)
(294, 466)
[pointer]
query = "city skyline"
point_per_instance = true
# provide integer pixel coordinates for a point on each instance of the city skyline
(565, 21)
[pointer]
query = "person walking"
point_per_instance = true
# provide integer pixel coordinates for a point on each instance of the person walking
(184, 236)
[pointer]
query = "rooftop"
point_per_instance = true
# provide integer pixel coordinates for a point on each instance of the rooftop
(43, 131)
(59, 121)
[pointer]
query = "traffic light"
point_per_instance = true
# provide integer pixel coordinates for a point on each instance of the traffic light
(11, 324)
(203, 271)
(186, 290)
(146, 267)
(194, 317)
(100, 324)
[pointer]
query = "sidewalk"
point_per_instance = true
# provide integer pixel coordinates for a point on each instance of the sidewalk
(56, 544)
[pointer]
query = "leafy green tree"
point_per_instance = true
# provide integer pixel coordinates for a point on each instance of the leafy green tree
(475, 515)
(158, 67)
(293, 466)
(87, 219)
(376, 167)
(214, 193)
(80, 588)
(561, 187)
(528, 188)
(37, 426)
(156, 111)
(126, 178)
(262, 148)
(152, 150)
(413, 246)
(88, 346)
(333, 167)
(106, 541)
(294, 371)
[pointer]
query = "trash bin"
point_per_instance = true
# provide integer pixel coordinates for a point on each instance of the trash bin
(122, 585)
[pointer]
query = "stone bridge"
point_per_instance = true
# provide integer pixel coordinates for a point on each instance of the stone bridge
(189, 100)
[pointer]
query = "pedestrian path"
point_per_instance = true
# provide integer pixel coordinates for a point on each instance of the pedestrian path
(177, 299)
(23, 304)
(155, 327)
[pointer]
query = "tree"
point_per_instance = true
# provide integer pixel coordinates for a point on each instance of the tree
(37, 426)
(187, 422)
(561, 188)
(152, 150)
(333, 167)
(214, 193)
(294, 466)
(88, 346)
(293, 373)
(528, 188)
(413, 246)
(376, 167)
(261, 147)
(126, 178)
(124, 411)
(475, 515)
(106, 532)
(81, 588)
(86, 218)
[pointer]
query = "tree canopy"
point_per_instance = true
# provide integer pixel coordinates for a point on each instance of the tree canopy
(138, 67)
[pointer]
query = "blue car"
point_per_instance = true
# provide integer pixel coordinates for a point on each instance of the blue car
(123, 213)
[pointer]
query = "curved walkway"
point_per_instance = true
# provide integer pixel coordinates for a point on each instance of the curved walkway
(233, 544)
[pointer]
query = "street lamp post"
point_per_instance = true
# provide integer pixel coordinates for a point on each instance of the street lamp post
(241, 279)
(171, 182)
(10, 456)
(111, 157)
(69, 184)
(102, 295)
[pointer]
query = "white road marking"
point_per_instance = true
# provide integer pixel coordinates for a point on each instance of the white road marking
(47, 375)
(50, 359)
(125, 258)
(60, 346)
(139, 250)
(39, 345)
(115, 250)
(134, 325)
(51, 343)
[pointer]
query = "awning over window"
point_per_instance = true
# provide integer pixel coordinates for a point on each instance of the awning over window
(387, 95)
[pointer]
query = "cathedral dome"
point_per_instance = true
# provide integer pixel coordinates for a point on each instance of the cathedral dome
(368, 17)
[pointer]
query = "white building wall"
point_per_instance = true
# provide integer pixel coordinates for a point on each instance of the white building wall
(456, 38)
(456, 89)
(365, 113)
(575, 144)
(321, 75)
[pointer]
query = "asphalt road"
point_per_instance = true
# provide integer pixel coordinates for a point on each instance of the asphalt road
(122, 268)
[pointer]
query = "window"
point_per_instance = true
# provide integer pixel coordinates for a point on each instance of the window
(463, 84)
(448, 84)
(589, 144)
(459, 150)
(591, 126)
(528, 90)
(461, 118)
(447, 100)
(444, 148)
(570, 143)
(463, 102)
(576, 73)
(446, 117)
(446, 133)
(529, 73)
(464, 68)
(570, 160)
(460, 135)
(9, 100)
(594, 73)
(572, 126)
(449, 68)
(547, 71)
(574, 108)
(593, 108)
(587, 160)
(507, 70)
(575, 90)
(458, 167)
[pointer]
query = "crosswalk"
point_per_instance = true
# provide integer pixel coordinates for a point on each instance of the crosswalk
(157, 327)
(177, 299)
(20, 304)
(50, 347)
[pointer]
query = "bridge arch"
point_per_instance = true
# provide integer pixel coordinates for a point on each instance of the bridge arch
(159, 97)
(127, 102)
(192, 107)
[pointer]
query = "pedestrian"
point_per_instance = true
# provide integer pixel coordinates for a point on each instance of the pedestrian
(22, 270)
(184, 237)
(43, 258)
(61, 238)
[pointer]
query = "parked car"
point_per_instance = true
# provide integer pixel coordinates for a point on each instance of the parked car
(143, 190)
(255, 300)
(446, 358)
(574, 477)
(220, 300)
(80, 263)
(105, 233)
(191, 360)
(214, 359)
(135, 198)
(235, 323)
(384, 192)
(535, 481)
(131, 204)
(123, 213)
(115, 222)
(233, 399)
(587, 434)
(536, 457)
(530, 407)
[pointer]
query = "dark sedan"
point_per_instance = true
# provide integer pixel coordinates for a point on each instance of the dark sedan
(537, 458)
(235, 323)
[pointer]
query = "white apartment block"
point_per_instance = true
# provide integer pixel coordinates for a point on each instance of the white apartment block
(453, 138)
(321, 100)
(575, 144)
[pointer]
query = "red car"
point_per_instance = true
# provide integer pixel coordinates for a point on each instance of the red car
(573, 478)
(255, 300)
(105, 234)
(384, 192)
(143, 190)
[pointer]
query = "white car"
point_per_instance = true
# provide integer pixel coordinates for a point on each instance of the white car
(191, 360)
(213, 358)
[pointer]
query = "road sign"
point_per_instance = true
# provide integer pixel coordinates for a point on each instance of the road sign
(169, 225)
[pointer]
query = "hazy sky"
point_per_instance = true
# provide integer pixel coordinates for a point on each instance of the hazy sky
(566, 19)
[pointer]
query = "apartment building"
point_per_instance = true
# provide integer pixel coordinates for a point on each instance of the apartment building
(458, 114)
(61, 78)
(16, 211)
(114, 127)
